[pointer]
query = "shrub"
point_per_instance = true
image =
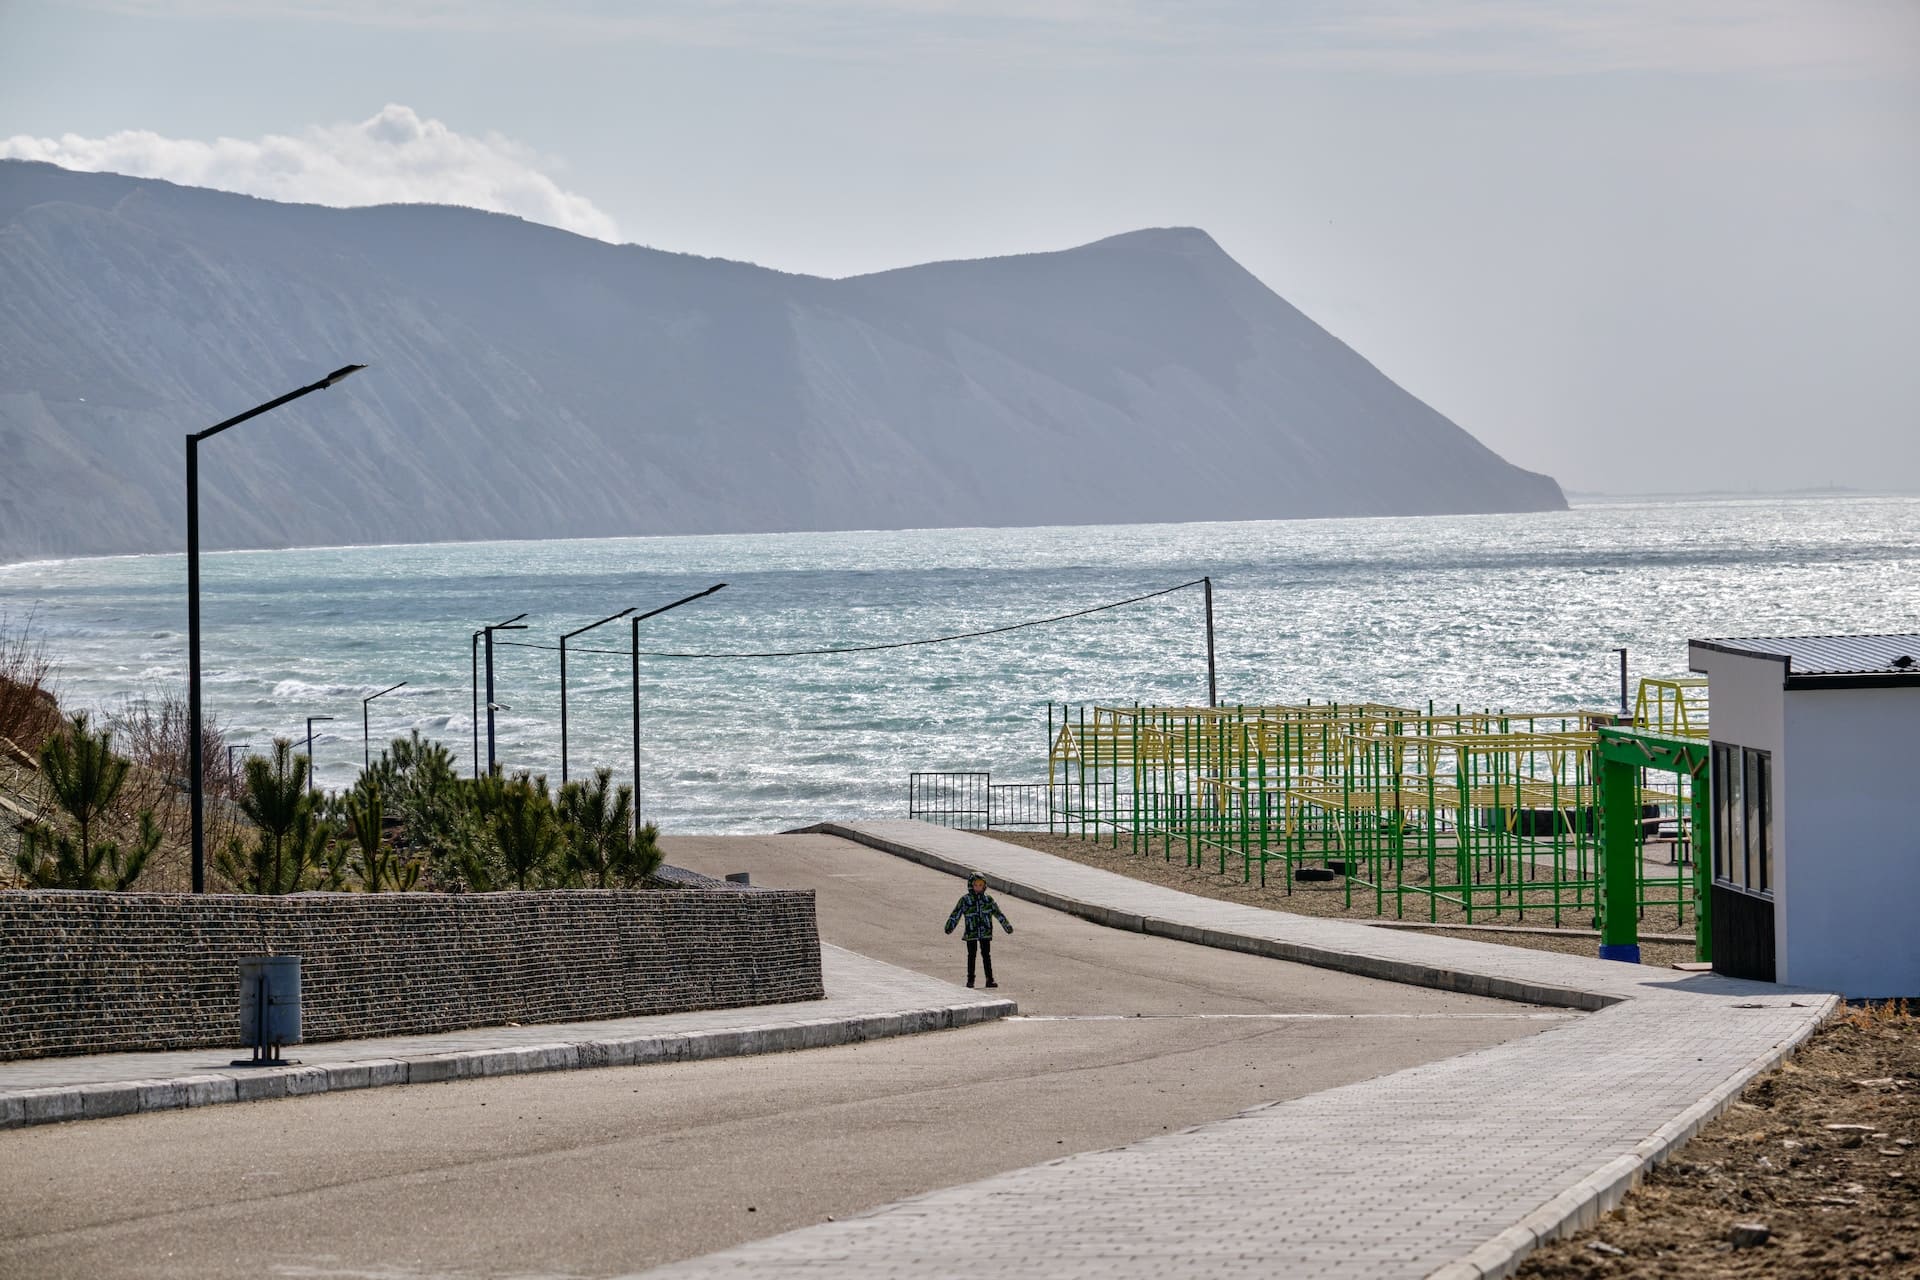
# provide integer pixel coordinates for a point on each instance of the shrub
(29, 712)
(290, 838)
(84, 777)
(376, 865)
(414, 822)
(602, 847)
(429, 806)
(527, 836)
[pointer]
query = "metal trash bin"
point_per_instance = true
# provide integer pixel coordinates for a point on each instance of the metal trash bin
(269, 1006)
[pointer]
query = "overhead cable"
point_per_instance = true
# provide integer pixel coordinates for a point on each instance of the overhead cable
(874, 648)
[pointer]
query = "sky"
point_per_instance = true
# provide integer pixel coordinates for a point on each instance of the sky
(1641, 245)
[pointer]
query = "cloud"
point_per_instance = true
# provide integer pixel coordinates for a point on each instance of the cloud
(393, 157)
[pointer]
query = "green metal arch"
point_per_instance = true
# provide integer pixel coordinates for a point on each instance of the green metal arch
(1619, 756)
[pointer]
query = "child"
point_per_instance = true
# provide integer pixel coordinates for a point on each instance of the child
(980, 911)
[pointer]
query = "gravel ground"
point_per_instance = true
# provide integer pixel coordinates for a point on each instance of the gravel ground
(1329, 898)
(1821, 1153)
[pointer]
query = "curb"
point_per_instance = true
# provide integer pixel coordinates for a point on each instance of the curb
(1600, 1192)
(1572, 1210)
(1473, 984)
(1497, 929)
(128, 1097)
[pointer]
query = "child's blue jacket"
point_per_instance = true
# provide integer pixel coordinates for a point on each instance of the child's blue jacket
(979, 910)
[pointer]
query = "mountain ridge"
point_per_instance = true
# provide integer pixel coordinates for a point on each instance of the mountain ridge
(529, 382)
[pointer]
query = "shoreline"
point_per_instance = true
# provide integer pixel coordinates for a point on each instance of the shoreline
(1576, 501)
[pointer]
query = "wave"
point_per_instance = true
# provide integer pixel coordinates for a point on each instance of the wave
(306, 689)
(1518, 612)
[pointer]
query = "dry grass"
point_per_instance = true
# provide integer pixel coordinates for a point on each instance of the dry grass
(29, 710)
(152, 732)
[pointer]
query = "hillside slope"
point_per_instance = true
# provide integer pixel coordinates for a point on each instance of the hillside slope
(526, 382)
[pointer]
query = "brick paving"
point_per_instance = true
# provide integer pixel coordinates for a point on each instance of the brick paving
(866, 999)
(1453, 1169)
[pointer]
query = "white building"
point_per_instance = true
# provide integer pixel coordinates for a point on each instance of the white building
(1816, 810)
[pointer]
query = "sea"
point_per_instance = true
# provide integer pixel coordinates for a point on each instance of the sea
(1520, 612)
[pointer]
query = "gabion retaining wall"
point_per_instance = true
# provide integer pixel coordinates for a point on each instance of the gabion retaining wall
(111, 972)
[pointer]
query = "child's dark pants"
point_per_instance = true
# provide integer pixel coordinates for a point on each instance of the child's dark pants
(985, 947)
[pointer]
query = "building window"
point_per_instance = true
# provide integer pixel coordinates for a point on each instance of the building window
(1721, 820)
(1743, 818)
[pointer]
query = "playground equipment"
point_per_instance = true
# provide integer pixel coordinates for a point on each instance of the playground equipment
(1486, 814)
(1492, 812)
(1623, 756)
(1673, 706)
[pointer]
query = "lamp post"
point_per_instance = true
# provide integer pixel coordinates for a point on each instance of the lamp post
(366, 738)
(310, 722)
(194, 763)
(1213, 682)
(475, 647)
(635, 653)
(492, 706)
(563, 680)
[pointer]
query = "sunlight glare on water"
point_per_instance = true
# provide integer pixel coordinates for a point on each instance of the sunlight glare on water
(1518, 611)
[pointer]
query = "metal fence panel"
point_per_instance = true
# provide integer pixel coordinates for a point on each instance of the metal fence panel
(1019, 804)
(949, 799)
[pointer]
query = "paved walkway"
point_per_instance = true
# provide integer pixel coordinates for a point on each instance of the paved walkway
(1454, 1169)
(598, 1173)
(866, 999)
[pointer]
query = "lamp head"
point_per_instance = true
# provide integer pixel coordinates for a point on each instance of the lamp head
(338, 374)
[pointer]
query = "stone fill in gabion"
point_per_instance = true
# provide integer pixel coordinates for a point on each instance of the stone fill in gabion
(113, 972)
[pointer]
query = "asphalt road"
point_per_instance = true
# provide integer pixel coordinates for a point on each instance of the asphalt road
(610, 1171)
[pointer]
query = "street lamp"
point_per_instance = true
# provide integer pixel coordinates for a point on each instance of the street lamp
(310, 722)
(563, 681)
(366, 740)
(1213, 680)
(194, 765)
(635, 651)
(475, 655)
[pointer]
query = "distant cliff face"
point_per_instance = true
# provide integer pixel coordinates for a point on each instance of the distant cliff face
(530, 383)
